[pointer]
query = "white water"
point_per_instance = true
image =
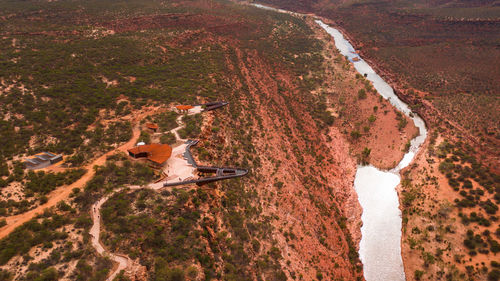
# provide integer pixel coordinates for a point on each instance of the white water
(380, 246)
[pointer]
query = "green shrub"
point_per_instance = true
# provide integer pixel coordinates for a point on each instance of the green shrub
(278, 184)
(467, 184)
(494, 275)
(168, 138)
(164, 273)
(192, 126)
(494, 246)
(355, 134)
(490, 207)
(32, 233)
(402, 122)
(365, 155)
(6, 275)
(166, 121)
(418, 274)
(145, 137)
(428, 259)
(362, 94)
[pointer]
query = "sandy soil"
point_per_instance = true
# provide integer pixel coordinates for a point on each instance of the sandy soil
(108, 82)
(63, 193)
(386, 141)
(177, 168)
(435, 196)
(297, 207)
(122, 261)
(13, 191)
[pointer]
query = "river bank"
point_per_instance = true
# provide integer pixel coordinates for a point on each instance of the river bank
(430, 204)
(380, 246)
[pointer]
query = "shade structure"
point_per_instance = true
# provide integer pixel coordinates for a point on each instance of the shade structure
(152, 126)
(157, 153)
(184, 107)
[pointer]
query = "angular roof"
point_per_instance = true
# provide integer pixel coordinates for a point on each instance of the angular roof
(184, 107)
(157, 153)
(43, 157)
(152, 126)
(33, 161)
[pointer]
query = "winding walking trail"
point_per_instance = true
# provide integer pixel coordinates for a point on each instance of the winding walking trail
(123, 261)
(63, 192)
(176, 166)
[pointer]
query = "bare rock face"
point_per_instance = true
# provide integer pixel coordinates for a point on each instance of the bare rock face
(136, 271)
(310, 193)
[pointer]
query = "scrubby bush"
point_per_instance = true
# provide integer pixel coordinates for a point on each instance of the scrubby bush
(494, 245)
(362, 94)
(467, 184)
(418, 274)
(355, 134)
(192, 127)
(494, 275)
(365, 155)
(164, 273)
(31, 234)
(42, 182)
(145, 137)
(6, 275)
(166, 121)
(489, 207)
(168, 138)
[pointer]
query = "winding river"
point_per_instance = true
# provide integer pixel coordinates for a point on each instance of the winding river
(380, 246)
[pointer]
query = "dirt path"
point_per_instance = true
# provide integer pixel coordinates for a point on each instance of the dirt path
(122, 261)
(175, 130)
(63, 193)
(177, 166)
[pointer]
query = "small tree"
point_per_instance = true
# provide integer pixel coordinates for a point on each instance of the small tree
(362, 94)
(418, 274)
(365, 155)
(167, 138)
(355, 134)
(145, 137)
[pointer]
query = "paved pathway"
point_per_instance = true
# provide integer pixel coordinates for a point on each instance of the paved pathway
(124, 261)
(180, 167)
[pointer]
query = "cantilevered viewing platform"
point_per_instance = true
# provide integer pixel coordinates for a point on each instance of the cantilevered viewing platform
(220, 173)
(176, 162)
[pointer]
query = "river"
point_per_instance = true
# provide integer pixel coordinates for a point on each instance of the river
(380, 245)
